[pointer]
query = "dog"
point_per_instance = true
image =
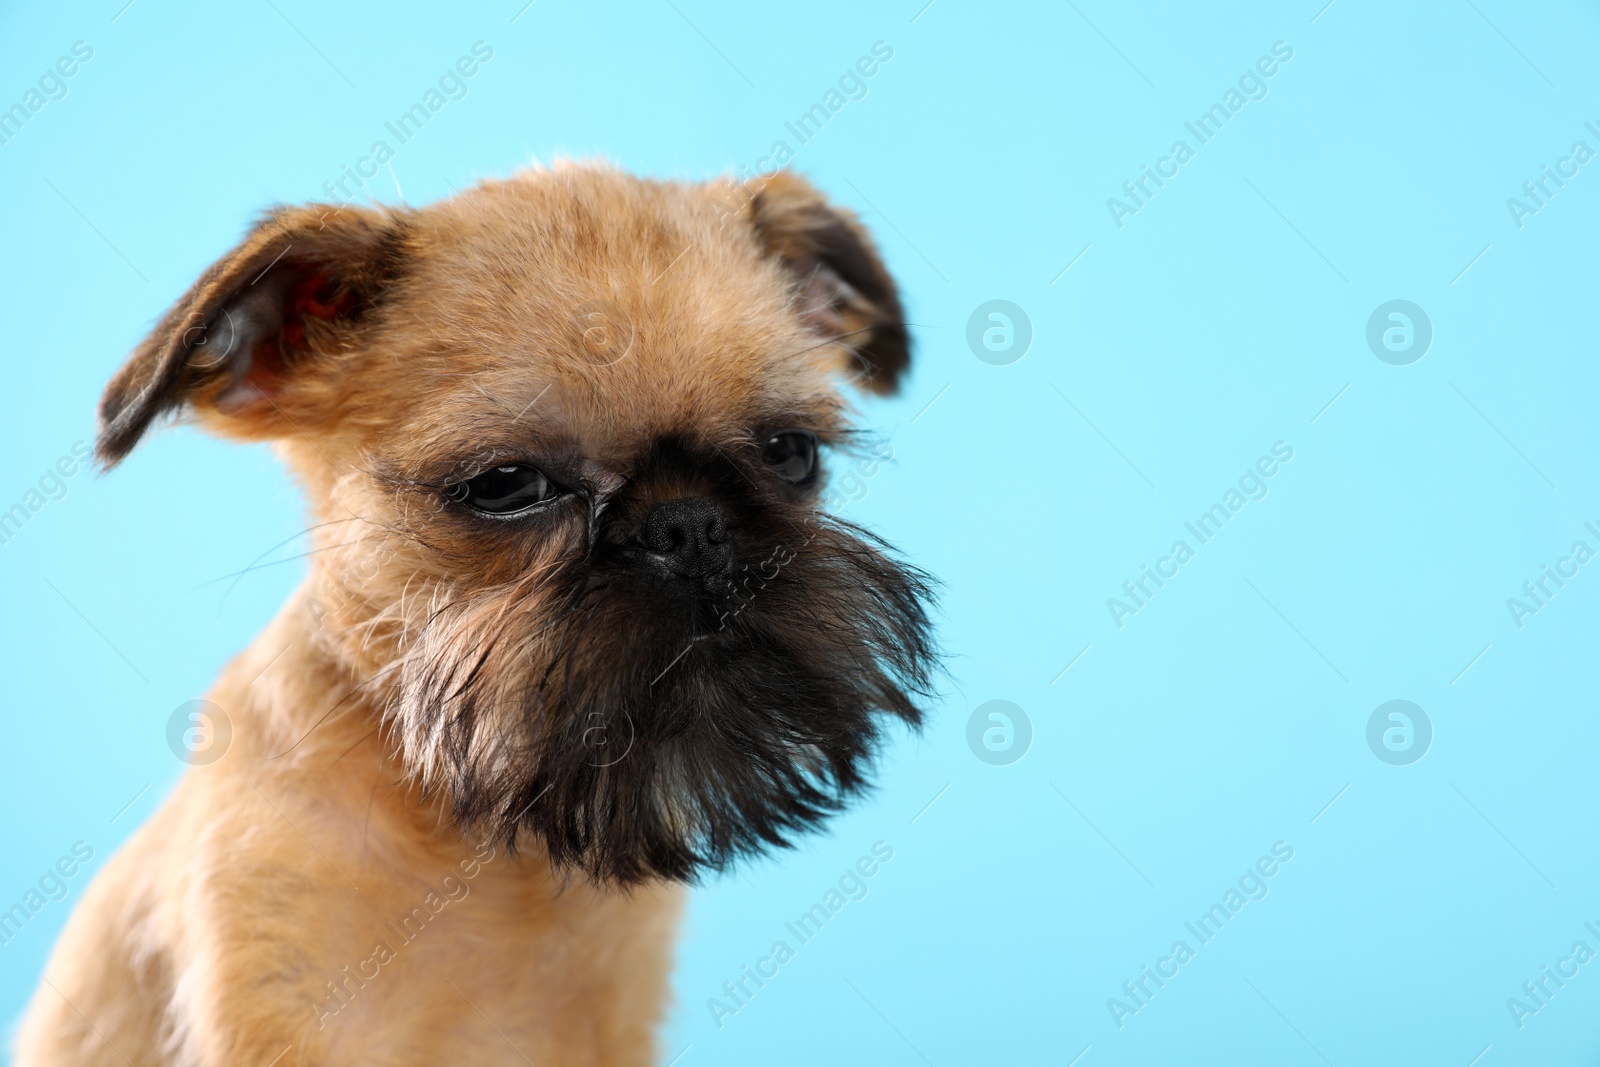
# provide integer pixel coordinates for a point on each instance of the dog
(578, 626)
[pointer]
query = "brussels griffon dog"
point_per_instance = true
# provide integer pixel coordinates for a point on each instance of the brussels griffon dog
(578, 626)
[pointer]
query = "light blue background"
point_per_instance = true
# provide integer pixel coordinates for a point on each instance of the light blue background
(1223, 317)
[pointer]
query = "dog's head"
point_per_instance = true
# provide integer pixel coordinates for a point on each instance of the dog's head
(562, 438)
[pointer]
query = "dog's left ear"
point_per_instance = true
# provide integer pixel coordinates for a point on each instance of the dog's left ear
(842, 288)
(252, 347)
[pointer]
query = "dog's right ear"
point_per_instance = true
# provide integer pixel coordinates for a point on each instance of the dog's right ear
(241, 347)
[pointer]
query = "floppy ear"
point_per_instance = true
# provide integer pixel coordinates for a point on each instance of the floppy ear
(236, 348)
(841, 284)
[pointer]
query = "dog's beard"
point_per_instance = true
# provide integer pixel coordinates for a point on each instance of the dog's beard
(637, 737)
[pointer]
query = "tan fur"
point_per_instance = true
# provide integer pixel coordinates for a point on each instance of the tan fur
(217, 934)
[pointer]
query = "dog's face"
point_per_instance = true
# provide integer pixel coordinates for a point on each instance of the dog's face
(562, 436)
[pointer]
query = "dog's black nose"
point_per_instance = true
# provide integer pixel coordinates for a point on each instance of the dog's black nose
(688, 538)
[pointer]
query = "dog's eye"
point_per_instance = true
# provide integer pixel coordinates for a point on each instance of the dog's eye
(505, 490)
(792, 454)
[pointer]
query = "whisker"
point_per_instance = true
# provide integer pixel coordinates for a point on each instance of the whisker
(852, 333)
(274, 548)
(236, 575)
(356, 689)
